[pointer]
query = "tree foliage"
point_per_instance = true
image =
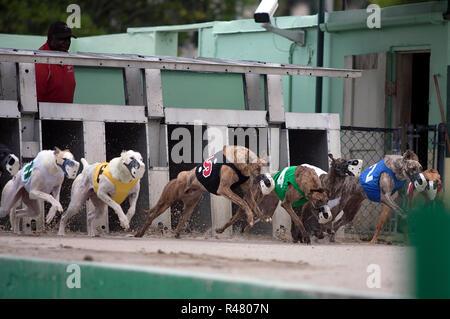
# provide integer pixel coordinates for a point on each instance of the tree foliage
(115, 16)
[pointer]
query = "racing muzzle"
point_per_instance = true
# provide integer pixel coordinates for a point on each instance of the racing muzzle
(431, 189)
(419, 181)
(324, 214)
(136, 169)
(70, 168)
(11, 164)
(267, 184)
(355, 167)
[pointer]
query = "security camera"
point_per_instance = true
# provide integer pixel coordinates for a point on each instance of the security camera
(265, 11)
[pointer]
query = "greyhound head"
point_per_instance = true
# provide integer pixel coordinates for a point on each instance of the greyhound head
(266, 183)
(134, 163)
(9, 163)
(66, 161)
(434, 183)
(319, 200)
(412, 169)
(255, 164)
(309, 182)
(343, 167)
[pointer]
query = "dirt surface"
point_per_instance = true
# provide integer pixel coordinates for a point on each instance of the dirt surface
(342, 265)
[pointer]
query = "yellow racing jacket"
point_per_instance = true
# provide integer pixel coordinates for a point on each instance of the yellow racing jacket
(122, 189)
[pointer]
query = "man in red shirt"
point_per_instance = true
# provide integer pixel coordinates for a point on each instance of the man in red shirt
(54, 82)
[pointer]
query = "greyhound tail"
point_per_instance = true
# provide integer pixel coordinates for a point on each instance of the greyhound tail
(85, 164)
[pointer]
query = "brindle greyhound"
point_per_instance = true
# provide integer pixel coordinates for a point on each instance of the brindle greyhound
(402, 167)
(333, 182)
(311, 187)
(240, 166)
(434, 185)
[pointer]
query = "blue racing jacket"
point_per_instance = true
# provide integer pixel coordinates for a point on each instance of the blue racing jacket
(370, 177)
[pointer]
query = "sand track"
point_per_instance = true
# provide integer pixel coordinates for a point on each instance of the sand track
(342, 265)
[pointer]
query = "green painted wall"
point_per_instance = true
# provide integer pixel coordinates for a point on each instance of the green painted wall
(99, 86)
(30, 278)
(25, 42)
(202, 90)
(247, 40)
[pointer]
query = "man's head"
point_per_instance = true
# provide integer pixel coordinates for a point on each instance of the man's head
(59, 36)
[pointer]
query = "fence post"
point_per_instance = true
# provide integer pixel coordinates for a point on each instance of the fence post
(441, 150)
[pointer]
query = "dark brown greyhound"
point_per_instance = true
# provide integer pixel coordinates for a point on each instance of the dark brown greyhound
(311, 187)
(236, 166)
(333, 182)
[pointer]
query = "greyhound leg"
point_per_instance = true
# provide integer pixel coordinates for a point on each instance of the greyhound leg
(124, 222)
(133, 197)
(154, 212)
(383, 217)
(100, 209)
(36, 194)
(269, 204)
(250, 199)
(189, 205)
(238, 215)
(388, 200)
(228, 193)
(288, 207)
(77, 200)
(10, 197)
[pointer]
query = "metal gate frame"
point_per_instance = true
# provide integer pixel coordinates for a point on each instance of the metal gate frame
(145, 105)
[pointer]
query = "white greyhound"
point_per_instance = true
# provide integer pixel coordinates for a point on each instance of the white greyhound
(106, 184)
(41, 179)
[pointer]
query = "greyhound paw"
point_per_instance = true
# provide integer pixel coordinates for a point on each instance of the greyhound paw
(50, 216)
(219, 230)
(306, 240)
(268, 219)
(58, 207)
(125, 223)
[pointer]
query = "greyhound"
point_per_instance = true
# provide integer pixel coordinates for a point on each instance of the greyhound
(429, 192)
(378, 183)
(41, 179)
(294, 186)
(333, 182)
(219, 174)
(106, 184)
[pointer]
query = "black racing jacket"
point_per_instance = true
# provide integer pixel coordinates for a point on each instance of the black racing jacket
(208, 173)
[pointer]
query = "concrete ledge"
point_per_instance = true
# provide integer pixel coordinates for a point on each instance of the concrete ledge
(38, 278)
